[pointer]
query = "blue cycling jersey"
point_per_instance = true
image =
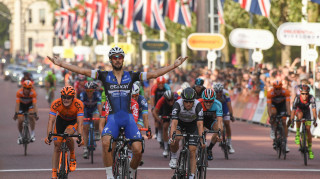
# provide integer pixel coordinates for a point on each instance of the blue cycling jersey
(143, 106)
(92, 102)
(225, 98)
(118, 96)
(217, 107)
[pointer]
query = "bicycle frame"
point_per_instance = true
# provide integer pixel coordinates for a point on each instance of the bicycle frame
(120, 167)
(280, 137)
(26, 138)
(91, 140)
(183, 168)
(63, 170)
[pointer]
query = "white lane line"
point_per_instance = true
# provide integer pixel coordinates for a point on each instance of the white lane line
(214, 169)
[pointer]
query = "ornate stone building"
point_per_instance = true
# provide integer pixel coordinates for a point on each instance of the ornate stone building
(31, 29)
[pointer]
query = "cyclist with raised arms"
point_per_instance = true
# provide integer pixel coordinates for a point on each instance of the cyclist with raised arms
(278, 102)
(187, 115)
(198, 87)
(212, 116)
(301, 108)
(118, 85)
(165, 105)
(67, 114)
(91, 99)
(223, 96)
(26, 102)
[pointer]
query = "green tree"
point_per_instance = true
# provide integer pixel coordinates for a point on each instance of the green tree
(5, 20)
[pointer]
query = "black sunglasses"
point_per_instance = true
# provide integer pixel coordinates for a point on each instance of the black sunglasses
(188, 101)
(209, 102)
(66, 97)
(304, 93)
(117, 57)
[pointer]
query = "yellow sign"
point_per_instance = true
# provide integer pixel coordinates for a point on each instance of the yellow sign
(68, 53)
(127, 48)
(206, 41)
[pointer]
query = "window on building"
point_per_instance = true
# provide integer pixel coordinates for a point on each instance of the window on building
(29, 45)
(42, 16)
(30, 15)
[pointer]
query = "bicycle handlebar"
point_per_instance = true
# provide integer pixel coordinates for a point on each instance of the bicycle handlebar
(64, 136)
(125, 141)
(189, 135)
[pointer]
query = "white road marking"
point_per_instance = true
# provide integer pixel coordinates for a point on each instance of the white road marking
(150, 168)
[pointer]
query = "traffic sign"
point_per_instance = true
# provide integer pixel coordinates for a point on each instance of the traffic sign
(298, 34)
(127, 48)
(251, 38)
(206, 41)
(154, 45)
(68, 53)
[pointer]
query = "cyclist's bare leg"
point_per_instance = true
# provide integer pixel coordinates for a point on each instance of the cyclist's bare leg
(215, 135)
(228, 128)
(165, 128)
(20, 122)
(299, 116)
(56, 154)
(284, 124)
(107, 156)
(70, 143)
(85, 134)
(273, 113)
(137, 155)
(192, 149)
(309, 135)
(174, 146)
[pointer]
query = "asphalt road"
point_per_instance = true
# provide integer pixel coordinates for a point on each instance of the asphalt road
(254, 157)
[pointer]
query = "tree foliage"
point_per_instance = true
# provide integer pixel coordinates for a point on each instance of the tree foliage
(5, 22)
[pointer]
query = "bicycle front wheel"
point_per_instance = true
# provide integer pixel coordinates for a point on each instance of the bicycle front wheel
(26, 138)
(91, 143)
(304, 147)
(224, 144)
(186, 164)
(202, 163)
(63, 166)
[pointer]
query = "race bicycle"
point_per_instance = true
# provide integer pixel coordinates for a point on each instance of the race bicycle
(280, 140)
(223, 143)
(50, 94)
(63, 169)
(303, 140)
(183, 169)
(121, 161)
(91, 146)
(26, 137)
(202, 158)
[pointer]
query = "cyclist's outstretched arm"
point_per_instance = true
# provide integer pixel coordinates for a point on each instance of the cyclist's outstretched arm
(164, 70)
(58, 61)
(51, 121)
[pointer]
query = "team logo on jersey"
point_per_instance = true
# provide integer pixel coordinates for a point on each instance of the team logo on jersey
(174, 111)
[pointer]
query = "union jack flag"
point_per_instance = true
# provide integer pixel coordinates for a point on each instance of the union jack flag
(148, 11)
(91, 17)
(260, 7)
(220, 11)
(193, 5)
(127, 17)
(114, 18)
(64, 18)
(176, 10)
(57, 24)
(102, 18)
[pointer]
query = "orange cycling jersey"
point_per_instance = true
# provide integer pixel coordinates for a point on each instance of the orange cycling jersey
(26, 99)
(273, 98)
(67, 113)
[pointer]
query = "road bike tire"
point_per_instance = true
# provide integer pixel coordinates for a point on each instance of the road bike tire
(26, 138)
(284, 143)
(224, 144)
(186, 165)
(62, 165)
(50, 97)
(305, 148)
(125, 169)
(91, 135)
(279, 141)
(180, 166)
(202, 163)
(115, 165)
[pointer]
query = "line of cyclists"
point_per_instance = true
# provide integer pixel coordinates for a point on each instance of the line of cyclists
(193, 110)
(278, 102)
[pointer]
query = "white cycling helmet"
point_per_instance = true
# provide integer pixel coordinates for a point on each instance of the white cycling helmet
(135, 89)
(218, 87)
(116, 50)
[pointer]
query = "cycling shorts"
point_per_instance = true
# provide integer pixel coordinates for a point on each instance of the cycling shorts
(209, 123)
(306, 115)
(25, 108)
(226, 117)
(121, 119)
(280, 107)
(191, 129)
(62, 125)
(88, 113)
